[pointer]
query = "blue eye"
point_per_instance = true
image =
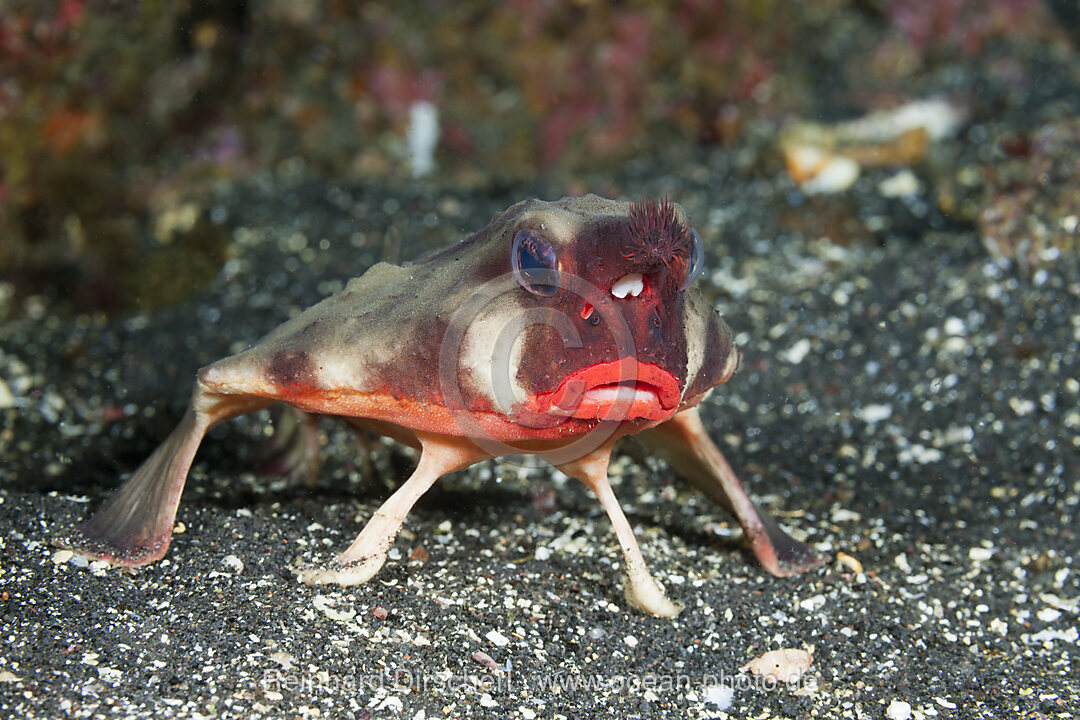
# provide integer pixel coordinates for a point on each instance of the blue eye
(697, 261)
(536, 267)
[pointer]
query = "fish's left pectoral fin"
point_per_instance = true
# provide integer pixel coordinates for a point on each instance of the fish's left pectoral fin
(684, 443)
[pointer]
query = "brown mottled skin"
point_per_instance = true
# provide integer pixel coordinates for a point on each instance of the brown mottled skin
(467, 357)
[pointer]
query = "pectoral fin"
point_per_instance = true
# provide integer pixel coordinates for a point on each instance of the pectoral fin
(683, 442)
(642, 590)
(134, 526)
(439, 455)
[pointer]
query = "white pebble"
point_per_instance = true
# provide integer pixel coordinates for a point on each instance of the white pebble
(1066, 604)
(7, 400)
(720, 696)
(841, 514)
(798, 352)
(901, 184)
(62, 556)
(1048, 614)
(954, 326)
(1049, 635)
(1021, 406)
(422, 136)
(235, 564)
(875, 413)
(920, 454)
(497, 638)
(392, 703)
(898, 710)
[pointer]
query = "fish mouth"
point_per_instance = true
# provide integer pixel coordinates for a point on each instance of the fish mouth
(623, 389)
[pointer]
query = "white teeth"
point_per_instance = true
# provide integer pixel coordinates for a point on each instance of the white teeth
(628, 285)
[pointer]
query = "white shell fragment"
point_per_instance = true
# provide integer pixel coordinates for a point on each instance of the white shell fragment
(829, 158)
(325, 605)
(832, 174)
(62, 556)
(780, 666)
(849, 562)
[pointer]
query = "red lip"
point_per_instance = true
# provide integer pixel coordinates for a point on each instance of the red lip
(623, 389)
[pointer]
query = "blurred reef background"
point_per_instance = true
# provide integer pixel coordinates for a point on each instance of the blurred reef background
(120, 120)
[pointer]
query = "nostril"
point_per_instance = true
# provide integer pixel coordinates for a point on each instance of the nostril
(631, 284)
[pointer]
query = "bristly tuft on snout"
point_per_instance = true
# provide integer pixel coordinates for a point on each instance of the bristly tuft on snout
(655, 236)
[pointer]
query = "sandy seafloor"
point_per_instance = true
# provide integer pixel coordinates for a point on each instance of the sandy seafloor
(908, 401)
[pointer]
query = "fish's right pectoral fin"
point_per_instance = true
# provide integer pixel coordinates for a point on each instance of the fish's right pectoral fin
(134, 526)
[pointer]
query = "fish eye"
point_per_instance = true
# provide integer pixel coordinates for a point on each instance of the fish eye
(697, 261)
(536, 267)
